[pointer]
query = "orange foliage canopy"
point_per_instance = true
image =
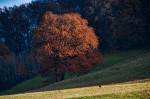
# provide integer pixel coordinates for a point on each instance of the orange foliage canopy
(61, 38)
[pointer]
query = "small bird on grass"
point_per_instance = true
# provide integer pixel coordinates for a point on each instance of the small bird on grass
(99, 85)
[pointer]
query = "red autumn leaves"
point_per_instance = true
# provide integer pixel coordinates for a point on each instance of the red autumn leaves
(67, 43)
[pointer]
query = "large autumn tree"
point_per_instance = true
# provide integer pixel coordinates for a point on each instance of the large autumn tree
(65, 43)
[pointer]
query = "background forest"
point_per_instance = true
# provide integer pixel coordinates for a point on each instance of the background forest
(119, 25)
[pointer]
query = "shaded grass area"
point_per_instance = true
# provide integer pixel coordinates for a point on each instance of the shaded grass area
(113, 90)
(31, 84)
(116, 57)
(145, 94)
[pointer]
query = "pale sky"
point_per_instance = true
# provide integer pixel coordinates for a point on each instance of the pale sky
(11, 3)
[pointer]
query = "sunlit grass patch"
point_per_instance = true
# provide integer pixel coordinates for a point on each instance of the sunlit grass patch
(145, 94)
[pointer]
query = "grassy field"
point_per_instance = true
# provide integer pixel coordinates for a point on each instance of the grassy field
(125, 90)
(128, 95)
(111, 79)
(113, 58)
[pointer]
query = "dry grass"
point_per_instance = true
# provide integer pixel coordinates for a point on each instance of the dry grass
(129, 95)
(86, 91)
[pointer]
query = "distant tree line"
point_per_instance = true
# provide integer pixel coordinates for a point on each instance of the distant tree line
(119, 24)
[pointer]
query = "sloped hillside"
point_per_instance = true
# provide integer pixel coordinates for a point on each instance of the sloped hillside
(130, 78)
(129, 70)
